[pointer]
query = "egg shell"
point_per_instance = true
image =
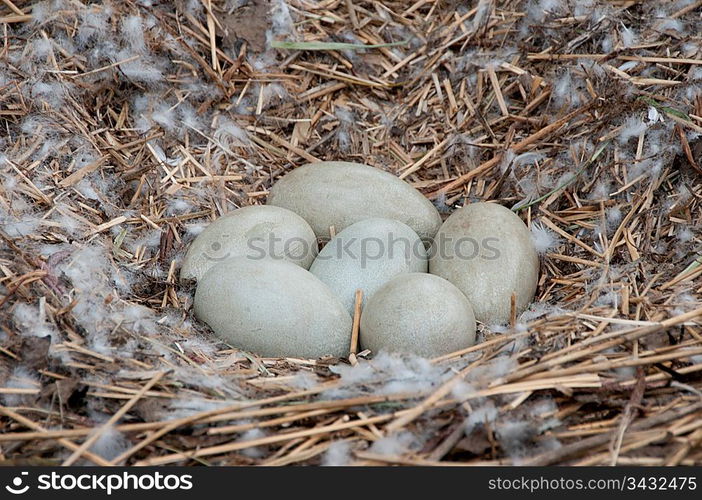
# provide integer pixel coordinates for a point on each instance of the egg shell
(487, 252)
(417, 313)
(255, 232)
(273, 308)
(338, 194)
(366, 255)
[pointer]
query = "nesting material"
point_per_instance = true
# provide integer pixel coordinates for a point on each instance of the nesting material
(418, 313)
(160, 122)
(273, 308)
(366, 255)
(487, 252)
(255, 232)
(338, 193)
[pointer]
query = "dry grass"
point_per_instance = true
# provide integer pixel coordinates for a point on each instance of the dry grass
(114, 149)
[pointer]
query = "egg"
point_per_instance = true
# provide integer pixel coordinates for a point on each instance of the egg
(366, 255)
(417, 313)
(487, 252)
(273, 308)
(337, 194)
(255, 232)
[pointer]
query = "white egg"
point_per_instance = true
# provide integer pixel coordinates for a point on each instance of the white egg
(338, 194)
(417, 313)
(487, 252)
(255, 232)
(273, 308)
(366, 255)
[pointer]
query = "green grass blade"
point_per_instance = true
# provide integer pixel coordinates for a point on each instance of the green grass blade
(566, 183)
(665, 109)
(695, 264)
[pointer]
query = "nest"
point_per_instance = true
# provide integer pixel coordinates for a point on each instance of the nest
(126, 126)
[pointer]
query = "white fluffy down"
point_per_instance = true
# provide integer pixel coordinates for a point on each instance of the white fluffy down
(544, 239)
